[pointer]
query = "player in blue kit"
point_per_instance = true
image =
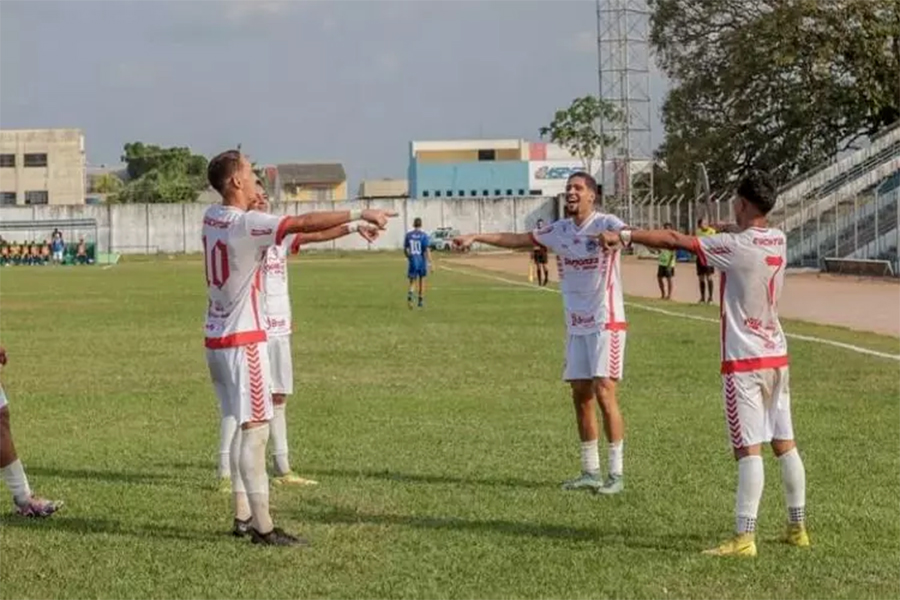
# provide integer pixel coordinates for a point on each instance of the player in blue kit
(418, 257)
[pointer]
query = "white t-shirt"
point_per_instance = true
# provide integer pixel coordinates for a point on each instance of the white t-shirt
(590, 280)
(276, 300)
(752, 276)
(234, 249)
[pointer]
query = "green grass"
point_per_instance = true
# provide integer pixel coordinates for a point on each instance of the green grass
(440, 438)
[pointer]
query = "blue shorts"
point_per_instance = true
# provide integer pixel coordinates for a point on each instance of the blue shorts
(416, 269)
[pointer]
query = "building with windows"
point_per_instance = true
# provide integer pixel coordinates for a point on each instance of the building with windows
(375, 189)
(309, 182)
(42, 166)
(489, 168)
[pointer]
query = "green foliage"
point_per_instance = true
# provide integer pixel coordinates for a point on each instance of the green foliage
(576, 128)
(162, 174)
(107, 183)
(781, 85)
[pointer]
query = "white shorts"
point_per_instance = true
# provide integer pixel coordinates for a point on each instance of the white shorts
(595, 355)
(758, 407)
(282, 364)
(241, 379)
(3, 400)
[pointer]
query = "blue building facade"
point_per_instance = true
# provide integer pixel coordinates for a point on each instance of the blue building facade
(468, 179)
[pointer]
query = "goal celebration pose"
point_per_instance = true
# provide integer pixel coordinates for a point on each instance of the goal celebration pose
(235, 242)
(755, 377)
(591, 285)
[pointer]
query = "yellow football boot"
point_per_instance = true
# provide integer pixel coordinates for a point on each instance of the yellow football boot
(743, 544)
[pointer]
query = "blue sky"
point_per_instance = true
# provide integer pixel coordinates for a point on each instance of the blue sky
(351, 81)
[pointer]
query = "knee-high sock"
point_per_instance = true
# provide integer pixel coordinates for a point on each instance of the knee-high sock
(253, 472)
(751, 478)
(279, 440)
(227, 427)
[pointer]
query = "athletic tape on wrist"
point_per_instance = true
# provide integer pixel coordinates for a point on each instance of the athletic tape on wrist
(355, 215)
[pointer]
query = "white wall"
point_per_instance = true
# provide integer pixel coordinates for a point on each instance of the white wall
(175, 228)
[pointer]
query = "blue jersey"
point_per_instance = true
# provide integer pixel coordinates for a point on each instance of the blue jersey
(415, 244)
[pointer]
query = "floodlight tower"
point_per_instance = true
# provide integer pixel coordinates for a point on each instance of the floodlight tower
(623, 52)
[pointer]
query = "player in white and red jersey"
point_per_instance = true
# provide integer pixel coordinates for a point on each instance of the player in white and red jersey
(754, 353)
(11, 469)
(277, 309)
(591, 285)
(235, 242)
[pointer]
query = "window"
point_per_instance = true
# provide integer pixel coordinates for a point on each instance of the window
(35, 160)
(321, 194)
(496, 192)
(449, 193)
(37, 197)
(7, 160)
(462, 193)
(485, 193)
(437, 193)
(536, 193)
(7, 198)
(509, 192)
(487, 155)
(521, 192)
(425, 194)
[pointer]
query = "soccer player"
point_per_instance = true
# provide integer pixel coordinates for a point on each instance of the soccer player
(235, 243)
(418, 258)
(754, 353)
(27, 504)
(665, 272)
(591, 285)
(277, 310)
(539, 258)
(705, 272)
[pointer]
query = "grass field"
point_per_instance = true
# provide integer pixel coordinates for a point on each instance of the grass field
(440, 438)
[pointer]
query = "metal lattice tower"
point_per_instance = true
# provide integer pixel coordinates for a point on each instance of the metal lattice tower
(623, 52)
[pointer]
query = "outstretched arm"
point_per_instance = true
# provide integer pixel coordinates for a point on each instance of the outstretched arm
(652, 238)
(501, 240)
(324, 236)
(320, 221)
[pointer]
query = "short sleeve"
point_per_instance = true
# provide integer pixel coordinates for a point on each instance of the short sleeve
(613, 223)
(426, 242)
(263, 230)
(547, 236)
(715, 250)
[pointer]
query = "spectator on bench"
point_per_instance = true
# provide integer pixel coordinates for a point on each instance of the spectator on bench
(45, 252)
(81, 256)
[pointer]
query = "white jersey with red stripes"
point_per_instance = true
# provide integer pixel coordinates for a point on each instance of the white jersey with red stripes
(234, 249)
(751, 264)
(276, 300)
(590, 280)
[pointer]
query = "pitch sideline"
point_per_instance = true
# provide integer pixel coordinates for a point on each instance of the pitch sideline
(670, 313)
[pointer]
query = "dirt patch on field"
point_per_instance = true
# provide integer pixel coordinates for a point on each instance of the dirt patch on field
(862, 304)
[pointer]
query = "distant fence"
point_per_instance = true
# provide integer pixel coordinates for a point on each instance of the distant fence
(175, 228)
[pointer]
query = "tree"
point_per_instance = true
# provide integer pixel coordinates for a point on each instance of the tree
(575, 128)
(775, 84)
(107, 183)
(157, 174)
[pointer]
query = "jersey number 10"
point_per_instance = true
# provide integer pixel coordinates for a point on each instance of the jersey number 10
(215, 260)
(415, 247)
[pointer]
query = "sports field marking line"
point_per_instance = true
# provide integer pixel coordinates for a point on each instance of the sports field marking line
(670, 313)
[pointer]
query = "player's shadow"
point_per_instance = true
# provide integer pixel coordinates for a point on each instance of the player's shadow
(608, 535)
(129, 477)
(394, 476)
(87, 526)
